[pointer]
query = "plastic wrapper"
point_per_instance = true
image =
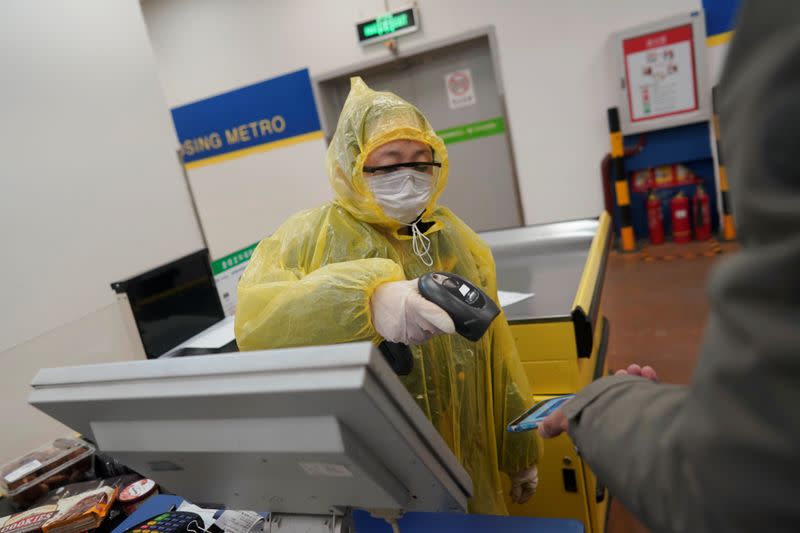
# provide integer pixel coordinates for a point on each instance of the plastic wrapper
(28, 478)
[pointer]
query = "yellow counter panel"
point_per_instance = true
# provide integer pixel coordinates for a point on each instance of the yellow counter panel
(562, 336)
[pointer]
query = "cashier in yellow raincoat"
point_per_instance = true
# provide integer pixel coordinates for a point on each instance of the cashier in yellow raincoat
(348, 270)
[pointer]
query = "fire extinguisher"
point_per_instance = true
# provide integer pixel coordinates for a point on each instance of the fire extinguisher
(701, 215)
(681, 228)
(655, 219)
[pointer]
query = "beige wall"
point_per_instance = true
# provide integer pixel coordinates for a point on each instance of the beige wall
(99, 337)
(92, 191)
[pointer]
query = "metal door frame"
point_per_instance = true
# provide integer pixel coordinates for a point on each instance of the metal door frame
(413, 51)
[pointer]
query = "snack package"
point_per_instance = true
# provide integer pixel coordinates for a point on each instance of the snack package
(82, 512)
(29, 521)
(33, 475)
(73, 489)
(135, 494)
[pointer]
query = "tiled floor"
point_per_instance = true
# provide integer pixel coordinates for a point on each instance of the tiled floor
(657, 309)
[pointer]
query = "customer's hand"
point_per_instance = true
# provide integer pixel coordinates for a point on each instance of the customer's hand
(523, 484)
(636, 370)
(554, 425)
(557, 423)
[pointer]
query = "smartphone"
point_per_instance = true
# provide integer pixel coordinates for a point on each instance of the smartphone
(531, 418)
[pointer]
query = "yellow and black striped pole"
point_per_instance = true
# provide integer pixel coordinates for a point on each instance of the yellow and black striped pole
(728, 227)
(621, 182)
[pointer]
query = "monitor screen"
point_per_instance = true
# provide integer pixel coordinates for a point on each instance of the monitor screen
(173, 302)
(307, 430)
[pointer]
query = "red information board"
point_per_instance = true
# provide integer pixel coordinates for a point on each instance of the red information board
(660, 72)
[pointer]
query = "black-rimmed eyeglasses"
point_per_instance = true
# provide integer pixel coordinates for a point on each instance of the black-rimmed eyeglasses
(422, 166)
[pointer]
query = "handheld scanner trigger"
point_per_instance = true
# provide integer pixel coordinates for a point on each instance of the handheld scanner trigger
(398, 356)
(470, 308)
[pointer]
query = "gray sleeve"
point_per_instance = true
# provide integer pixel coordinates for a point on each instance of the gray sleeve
(723, 453)
(627, 430)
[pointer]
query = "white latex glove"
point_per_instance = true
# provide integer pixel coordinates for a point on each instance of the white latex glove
(523, 484)
(401, 314)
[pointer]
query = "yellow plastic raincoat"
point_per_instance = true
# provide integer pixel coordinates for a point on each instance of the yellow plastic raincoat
(310, 283)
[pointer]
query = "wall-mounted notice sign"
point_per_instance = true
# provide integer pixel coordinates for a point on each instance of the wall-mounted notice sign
(662, 74)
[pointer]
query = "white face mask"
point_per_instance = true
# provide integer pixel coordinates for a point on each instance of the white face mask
(403, 193)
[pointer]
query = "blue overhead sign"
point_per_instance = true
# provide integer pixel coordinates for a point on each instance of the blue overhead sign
(720, 15)
(262, 116)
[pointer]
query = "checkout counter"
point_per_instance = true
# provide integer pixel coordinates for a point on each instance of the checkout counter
(561, 336)
(309, 434)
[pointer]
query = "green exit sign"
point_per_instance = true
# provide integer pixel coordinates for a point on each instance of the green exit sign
(388, 26)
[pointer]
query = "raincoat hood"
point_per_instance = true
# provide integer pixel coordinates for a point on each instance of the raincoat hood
(369, 120)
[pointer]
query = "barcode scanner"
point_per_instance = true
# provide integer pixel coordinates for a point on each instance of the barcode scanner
(471, 310)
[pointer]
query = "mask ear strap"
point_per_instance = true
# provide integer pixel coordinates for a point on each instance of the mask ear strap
(422, 245)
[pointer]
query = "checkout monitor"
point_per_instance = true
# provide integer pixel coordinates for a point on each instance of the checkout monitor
(309, 430)
(173, 302)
